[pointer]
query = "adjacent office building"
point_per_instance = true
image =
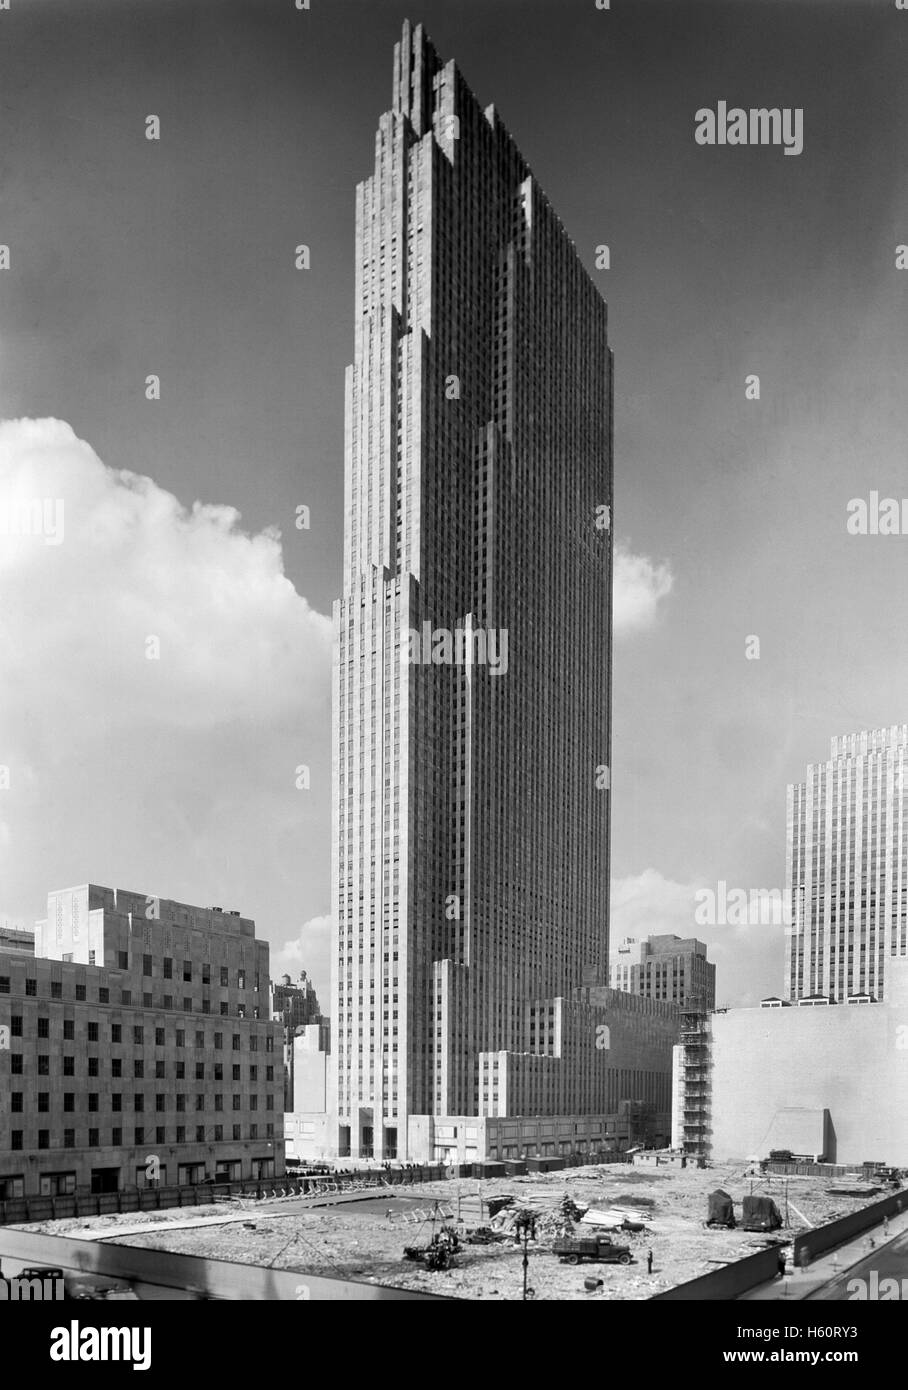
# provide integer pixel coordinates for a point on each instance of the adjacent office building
(139, 1031)
(847, 868)
(472, 676)
(670, 968)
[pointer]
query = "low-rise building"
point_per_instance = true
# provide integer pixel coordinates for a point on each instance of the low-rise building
(672, 969)
(136, 1047)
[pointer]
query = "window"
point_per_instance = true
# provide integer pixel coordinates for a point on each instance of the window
(218, 1041)
(31, 986)
(187, 1005)
(93, 1136)
(4, 984)
(80, 992)
(15, 1102)
(43, 1064)
(269, 1102)
(219, 1071)
(92, 1032)
(138, 1035)
(15, 1138)
(187, 971)
(181, 1134)
(103, 994)
(116, 1066)
(56, 989)
(93, 1100)
(218, 1133)
(69, 1138)
(236, 1042)
(116, 1136)
(15, 1063)
(116, 1101)
(224, 979)
(159, 1037)
(44, 1028)
(138, 1068)
(253, 1044)
(253, 1073)
(138, 1101)
(181, 1071)
(199, 1039)
(181, 1102)
(146, 965)
(123, 960)
(160, 1135)
(181, 1038)
(140, 1135)
(237, 1133)
(160, 1102)
(241, 979)
(159, 1071)
(269, 1073)
(200, 1102)
(236, 1073)
(93, 1066)
(125, 996)
(225, 1010)
(253, 1102)
(206, 974)
(44, 1100)
(237, 1102)
(200, 1134)
(43, 1138)
(15, 1025)
(253, 1131)
(116, 1032)
(168, 968)
(200, 1071)
(219, 1102)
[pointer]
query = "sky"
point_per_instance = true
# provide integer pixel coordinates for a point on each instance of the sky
(173, 769)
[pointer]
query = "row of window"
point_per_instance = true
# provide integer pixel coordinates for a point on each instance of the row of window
(202, 1135)
(162, 1102)
(138, 1034)
(148, 1000)
(17, 1068)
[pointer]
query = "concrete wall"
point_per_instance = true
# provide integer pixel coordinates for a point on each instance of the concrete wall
(848, 1059)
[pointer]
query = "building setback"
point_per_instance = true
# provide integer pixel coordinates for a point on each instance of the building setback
(138, 1031)
(670, 968)
(847, 867)
(470, 861)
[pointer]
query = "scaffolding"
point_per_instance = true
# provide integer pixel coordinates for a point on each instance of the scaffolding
(696, 1126)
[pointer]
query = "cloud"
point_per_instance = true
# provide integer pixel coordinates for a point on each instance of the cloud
(310, 951)
(160, 681)
(135, 575)
(639, 588)
(749, 957)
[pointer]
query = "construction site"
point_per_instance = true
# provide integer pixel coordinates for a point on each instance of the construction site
(617, 1231)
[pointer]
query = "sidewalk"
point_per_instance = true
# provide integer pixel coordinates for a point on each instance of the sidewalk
(800, 1283)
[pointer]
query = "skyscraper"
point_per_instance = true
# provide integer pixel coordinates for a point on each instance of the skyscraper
(847, 867)
(472, 679)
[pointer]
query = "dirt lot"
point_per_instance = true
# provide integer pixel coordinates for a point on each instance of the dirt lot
(358, 1240)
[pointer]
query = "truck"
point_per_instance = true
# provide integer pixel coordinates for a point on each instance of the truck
(572, 1249)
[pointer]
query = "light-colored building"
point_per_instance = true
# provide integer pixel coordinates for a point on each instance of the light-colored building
(847, 867)
(139, 1031)
(673, 969)
(828, 1081)
(16, 939)
(470, 861)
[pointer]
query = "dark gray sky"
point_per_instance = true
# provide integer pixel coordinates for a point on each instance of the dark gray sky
(175, 257)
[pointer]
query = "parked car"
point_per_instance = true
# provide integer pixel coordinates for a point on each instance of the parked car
(571, 1250)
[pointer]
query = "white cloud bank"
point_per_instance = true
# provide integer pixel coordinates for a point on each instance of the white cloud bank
(173, 775)
(639, 586)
